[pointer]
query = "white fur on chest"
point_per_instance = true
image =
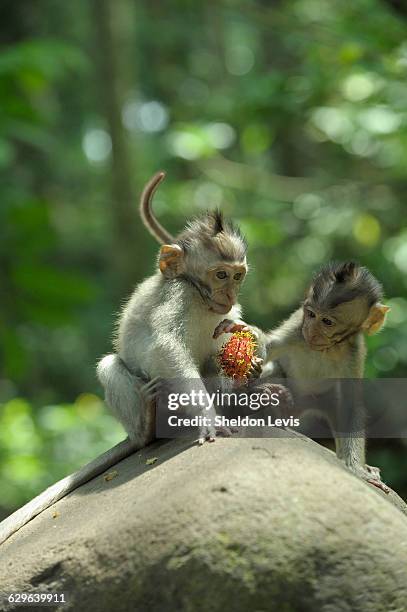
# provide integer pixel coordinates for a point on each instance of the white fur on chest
(309, 371)
(200, 327)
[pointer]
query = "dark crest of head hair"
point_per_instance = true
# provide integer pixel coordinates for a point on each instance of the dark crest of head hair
(339, 282)
(214, 232)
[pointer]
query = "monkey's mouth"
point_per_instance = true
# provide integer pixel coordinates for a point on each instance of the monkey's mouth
(219, 308)
(318, 347)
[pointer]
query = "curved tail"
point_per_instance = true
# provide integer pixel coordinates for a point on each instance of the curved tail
(18, 519)
(146, 213)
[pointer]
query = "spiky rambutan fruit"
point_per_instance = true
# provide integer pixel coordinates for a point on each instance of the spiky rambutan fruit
(235, 356)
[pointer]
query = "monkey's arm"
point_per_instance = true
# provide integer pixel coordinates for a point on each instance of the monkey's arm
(281, 340)
(174, 362)
(61, 488)
(273, 344)
(350, 436)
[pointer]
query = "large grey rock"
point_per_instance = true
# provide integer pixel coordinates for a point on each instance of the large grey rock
(241, 525)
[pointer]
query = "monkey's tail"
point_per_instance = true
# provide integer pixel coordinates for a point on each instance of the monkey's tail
(61, 488)
(146, 213)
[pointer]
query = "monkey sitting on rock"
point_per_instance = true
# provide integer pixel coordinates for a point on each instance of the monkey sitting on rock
(164, 332)
(321, 345)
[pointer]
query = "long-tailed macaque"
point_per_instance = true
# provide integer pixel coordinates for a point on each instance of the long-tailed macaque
(165, 329)
(320, 345)
(164, 332)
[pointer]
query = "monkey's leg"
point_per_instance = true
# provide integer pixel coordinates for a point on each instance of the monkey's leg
(130, 398)
(350, 434)
(213, 383)
(347, 449)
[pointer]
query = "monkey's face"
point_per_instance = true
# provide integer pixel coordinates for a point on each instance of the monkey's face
(344, 299)
(217, 281)
(318, 329)
(324, 327)
(223, 281)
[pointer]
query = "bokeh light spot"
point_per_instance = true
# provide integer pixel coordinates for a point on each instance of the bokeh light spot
(239, 59)
(400, 257)
(149, 116)
(256, 138)
(97, 145)
(307, 205)
(379, 120)
(333, 122)
(357, 87)
(221, 135)
(366, 230)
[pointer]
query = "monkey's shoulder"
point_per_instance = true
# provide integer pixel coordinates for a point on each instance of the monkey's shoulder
(149, 307)
(290, 329)
(153, 294)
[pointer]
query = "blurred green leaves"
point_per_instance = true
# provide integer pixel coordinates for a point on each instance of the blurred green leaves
(36, 288)
(38, 446)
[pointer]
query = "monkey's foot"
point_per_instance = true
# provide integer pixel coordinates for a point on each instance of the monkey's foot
(206, 434)
(225, 432)
(374, 471)
(227, 326)
(380, 485)
(375, 478)
(371, 475)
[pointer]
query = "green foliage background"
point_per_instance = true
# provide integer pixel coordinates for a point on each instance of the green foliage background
(290, 116)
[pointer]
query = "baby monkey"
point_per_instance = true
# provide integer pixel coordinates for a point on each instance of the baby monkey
(321, 345)
(164, 332)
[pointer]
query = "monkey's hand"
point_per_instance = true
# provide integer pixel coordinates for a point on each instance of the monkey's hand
(227, 326)
(371, 475)
(256, 368)
(285, 399)
(148, 391)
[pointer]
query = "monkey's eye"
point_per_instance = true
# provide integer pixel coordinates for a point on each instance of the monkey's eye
(311, 314)
(327, 321)
(221, 274)
(238, 276)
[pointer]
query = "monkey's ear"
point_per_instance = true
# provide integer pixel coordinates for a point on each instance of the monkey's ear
(171, 260)
(375, 318)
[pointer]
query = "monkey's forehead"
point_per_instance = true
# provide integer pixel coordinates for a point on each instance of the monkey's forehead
(331, 294)
(228, 265)
(212, 260)
(351, 309)
(216, 248)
